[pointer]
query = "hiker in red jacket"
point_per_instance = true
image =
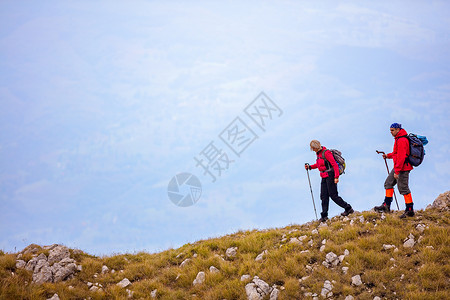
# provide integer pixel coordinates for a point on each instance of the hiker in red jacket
(400, 172)
(329, 171)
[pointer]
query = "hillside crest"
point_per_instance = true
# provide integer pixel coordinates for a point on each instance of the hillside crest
(363, 256)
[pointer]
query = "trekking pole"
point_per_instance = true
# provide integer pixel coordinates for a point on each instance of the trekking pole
(307, 172)
(387, 168)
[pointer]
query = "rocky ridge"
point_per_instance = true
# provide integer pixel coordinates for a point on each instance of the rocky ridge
(56, 263)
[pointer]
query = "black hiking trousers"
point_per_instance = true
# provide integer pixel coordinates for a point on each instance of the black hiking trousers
(328, 189)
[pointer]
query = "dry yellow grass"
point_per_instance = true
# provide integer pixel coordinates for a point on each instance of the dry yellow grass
(421, 272)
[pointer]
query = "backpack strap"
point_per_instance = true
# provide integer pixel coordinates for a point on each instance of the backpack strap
(330, 167)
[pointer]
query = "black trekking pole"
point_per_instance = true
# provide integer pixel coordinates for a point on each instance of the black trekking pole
(307, 172)
(387, 168)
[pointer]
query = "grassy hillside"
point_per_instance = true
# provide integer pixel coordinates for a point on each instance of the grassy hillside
(293, 264)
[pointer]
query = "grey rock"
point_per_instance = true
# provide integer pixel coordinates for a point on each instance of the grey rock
(231, 252)
(356, 280)
(376, 298)
(262, 285)
(124, 283)
(252, 293)
(388, 247)
(54, 297)
(303, 278)
(105, 269)
(274, 294)
(50, 247)
(66, 261)
(421, 228)
(442, 202)
(33, 249)
(20, 264)
(201, 277)
(345, 270)
(185, 262)
(331, 259)
(257, 289)
(327, 287)
(95, 289)
(154, 293)
(58, 253)
(62, 273)
(245, 277)
(260, 257)
(213, 269)
(349, 297)
(409, 243)
(295, 241)
(44, 273)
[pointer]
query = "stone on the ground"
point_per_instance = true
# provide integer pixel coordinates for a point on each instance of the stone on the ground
(231, 252)
(257, 289)
(409, 243)
(124, 283)
(185, 262)
(356, 280)
(154, 293)
(105, 269)
(201, 277)
(327, 288)
(245, 277)
(54, 297)
(274, 294)
(442, 202)
(260, 257)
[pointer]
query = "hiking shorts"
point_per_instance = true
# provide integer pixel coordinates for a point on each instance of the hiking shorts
(403, 182)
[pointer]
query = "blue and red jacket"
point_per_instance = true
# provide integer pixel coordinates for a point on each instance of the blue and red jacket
(321, 165)
(400, 153)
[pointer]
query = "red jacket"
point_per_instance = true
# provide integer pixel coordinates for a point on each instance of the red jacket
(400, 153)
(320, 163)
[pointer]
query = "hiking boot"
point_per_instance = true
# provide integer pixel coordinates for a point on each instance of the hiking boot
(323, 219)
(407, 213)
(348, 210)
(386, 206)
(382, 208)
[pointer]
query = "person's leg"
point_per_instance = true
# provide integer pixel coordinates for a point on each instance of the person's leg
(324, 196)
(403, 187)
(334, 195)
(389, 184)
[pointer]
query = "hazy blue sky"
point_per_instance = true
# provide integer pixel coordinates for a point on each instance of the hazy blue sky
(103, 102)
